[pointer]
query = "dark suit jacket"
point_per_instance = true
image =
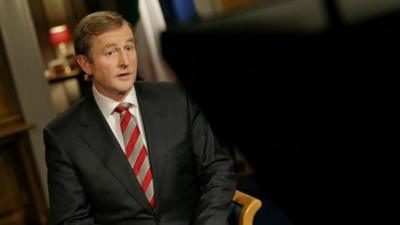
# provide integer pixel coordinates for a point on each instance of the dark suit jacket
(90, 180)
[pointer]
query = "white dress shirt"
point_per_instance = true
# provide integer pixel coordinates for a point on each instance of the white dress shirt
(107, 107)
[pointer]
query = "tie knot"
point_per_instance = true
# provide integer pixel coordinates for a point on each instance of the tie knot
(122, 107)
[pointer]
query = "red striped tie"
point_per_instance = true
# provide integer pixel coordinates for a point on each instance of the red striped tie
(136, 151)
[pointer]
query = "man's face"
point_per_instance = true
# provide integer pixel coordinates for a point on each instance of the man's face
(113, 63)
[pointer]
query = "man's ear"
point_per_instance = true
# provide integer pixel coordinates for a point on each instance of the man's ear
(85, 64)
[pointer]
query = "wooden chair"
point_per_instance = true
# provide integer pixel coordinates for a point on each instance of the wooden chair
(244, 208)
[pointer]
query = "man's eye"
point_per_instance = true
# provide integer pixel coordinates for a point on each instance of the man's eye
(129, 48)
(109, 53)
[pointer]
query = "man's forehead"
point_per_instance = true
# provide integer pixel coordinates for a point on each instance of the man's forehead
(116, 32)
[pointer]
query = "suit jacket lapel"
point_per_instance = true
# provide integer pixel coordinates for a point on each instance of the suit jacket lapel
(99, 137)
(155, 127)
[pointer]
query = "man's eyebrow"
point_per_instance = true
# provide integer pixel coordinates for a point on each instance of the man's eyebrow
(108, 45)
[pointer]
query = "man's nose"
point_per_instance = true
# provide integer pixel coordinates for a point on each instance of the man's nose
(123, 59)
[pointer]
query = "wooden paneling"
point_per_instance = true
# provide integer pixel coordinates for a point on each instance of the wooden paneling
(40, 21)
(9, 105)
(12, 197)
(21, 196)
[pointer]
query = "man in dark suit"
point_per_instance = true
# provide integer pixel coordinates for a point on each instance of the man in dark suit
(132, 152)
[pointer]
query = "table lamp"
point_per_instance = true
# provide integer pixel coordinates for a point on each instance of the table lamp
(60, 39)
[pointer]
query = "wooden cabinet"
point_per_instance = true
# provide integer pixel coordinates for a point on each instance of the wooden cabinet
(21, 195)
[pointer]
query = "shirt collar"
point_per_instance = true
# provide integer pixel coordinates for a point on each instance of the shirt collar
(107, 105)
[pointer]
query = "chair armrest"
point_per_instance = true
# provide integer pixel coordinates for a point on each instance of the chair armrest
(250, 206)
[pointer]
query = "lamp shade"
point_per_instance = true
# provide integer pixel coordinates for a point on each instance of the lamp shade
(59, 34)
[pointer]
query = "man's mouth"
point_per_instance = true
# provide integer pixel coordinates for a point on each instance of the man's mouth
(123, 74)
